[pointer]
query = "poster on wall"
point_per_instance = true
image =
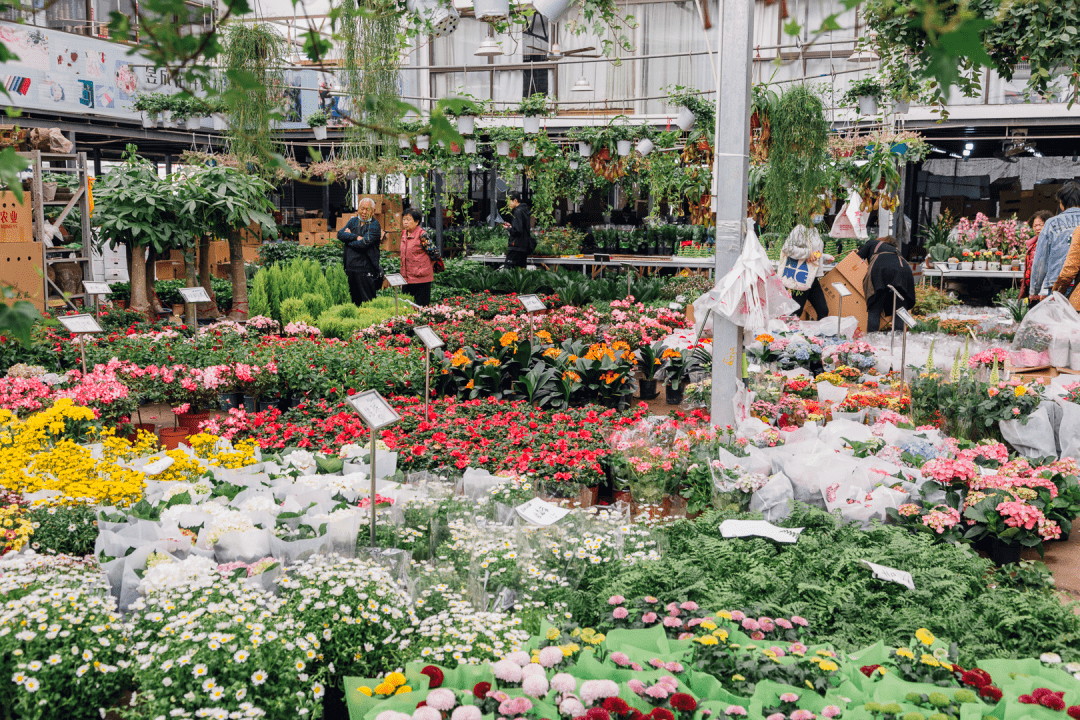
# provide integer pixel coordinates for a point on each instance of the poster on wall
(66, 73)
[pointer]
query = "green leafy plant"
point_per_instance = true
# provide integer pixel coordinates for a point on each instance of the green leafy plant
(317, 119)
(869, 86)
(798, 160)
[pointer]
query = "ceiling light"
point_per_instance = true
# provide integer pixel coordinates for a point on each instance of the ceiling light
(555, 51)
(489, 48)
(967, 151)
(969, 146)
(1038, 154)
(935, 148)
(582, 85)
(954, 155)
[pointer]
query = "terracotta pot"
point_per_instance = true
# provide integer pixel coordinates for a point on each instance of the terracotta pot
(624, 496)
(136, 427)
(171, 437)
(190, 421)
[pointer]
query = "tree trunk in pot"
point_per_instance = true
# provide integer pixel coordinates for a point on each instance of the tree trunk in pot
(209, 309)
(137, 276)
(191, 277)
(239, 309)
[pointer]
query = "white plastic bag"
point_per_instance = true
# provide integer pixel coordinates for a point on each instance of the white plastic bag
(851, 222)
(1038, 437)
(1069, 430)
(1053, 318)
(750, 293)
(774, 499)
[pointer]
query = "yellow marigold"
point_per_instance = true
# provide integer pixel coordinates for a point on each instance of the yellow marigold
(1020, 390)
(924, 636)
(569, 649)
(508, 338)
(552, 634)
(402, 690)
(828, 665)
(721, 633)
(707, 640)
(930, 660)
(738, 678)
(904, 652)
(708, 624)
(826, 653)
(724, 614)
(384, 688)
(882, 670)
(769, 653)
(364, 690)
(396, 679)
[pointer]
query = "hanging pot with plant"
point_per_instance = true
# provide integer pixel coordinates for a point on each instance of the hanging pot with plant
(645, 146)
(532, 109)
(528, 149)
(502, 147)
(491, 10)
(553, 10)
(466, 124)
(584, 149)
(685, 119)
(470, 146)
(317, 122)
(423, 142)
(866, 93)
(623, 147)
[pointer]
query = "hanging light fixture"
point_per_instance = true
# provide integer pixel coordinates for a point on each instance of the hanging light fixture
(582, 85)
(489, 48)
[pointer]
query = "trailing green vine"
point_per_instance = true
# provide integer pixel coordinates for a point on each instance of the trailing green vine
(253, 54)
(798, 160)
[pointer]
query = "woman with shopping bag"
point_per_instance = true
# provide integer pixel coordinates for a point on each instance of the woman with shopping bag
(885, 267)
(801, 261)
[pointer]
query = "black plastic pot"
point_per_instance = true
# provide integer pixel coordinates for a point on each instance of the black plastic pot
(647, 389)
(1002, 553)
(674, 397)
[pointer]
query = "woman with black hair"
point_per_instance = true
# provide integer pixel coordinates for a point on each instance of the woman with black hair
(885, 267)
(418, 251)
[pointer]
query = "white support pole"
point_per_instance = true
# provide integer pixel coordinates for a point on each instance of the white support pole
(730, 174)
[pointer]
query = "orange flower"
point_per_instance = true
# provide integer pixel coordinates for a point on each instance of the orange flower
(508, 338)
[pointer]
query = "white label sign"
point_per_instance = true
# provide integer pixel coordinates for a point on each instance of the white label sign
(194, 294)
(395, 280)
(96, 288)
(759, 528)
(540, 512)
(532, 303)
(890, 574)
(906, 317)
(429, 337)
(374, 409)
(80, 323)
(841, 289)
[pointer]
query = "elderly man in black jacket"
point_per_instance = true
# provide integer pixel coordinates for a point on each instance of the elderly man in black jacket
(361, 237)
(521, 242)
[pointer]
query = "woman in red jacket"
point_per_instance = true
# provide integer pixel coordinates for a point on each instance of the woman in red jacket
(418, 252)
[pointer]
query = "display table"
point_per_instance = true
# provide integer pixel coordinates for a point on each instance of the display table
(642, 265)
(1011, 276)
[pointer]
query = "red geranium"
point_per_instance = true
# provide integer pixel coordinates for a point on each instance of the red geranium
(435, 676)
(481, 689)
(683, 702)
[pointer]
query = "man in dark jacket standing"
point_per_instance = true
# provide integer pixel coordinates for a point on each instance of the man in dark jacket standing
(521, 242)
(361, 237)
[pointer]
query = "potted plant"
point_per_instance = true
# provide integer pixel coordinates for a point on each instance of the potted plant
(502, 137)
(532, 109)
(903, 89)
(866, 93)
(981, 258)
(675, 363)
(150, 106)
(491, 10)
(645, 145)
(648, 364)
(317, 122)
(471, 108)
(587, 139)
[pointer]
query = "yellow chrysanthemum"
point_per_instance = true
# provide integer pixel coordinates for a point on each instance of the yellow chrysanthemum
(396, 679)
(552, 634)
(707, 640)
(924, 636)
(724, 614)
(904, 652)
(403, 689)
(828, 665)
(708, 624)
(930, 660)
(384, 688)
(364, 690)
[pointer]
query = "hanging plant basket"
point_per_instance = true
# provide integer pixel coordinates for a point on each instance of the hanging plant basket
(320, 132)
(531, 123)
(470, 146)
(423, 142)
(528, 149)
(193, 124)
(404, 143)
(503, 147)
(686, 118)
(645, 146)
(573, 164)
(623, 147)
(553, 10)
(491, 10)
(148, 120)
(466, 124)
(584, 149)
(867, 105)
(219, 121)
(901, 107)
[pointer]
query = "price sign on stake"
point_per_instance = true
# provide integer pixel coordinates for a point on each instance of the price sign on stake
(759, 528)
(374, 409)
(539, 512)
(906, 317)
(395, 280)
(80, 323)
(841, 289)
(194, 294)
(429, 337)
(532, 303)
(890, 574)
(96, 288)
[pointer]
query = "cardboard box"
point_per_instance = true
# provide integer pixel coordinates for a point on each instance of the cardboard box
(391, 221)
(324, 238)
(219, 252)
(20, 269)
(307, 238)
(850, 271)
(169, 270)
(16, 219)
(220, 270)
(312, 225)
(251, 254)
(391, 242)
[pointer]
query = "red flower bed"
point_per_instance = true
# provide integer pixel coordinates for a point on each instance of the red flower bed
(496, 435)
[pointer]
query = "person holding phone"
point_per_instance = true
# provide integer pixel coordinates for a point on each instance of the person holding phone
(418, 251)
(361, 237)
(521, 240)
